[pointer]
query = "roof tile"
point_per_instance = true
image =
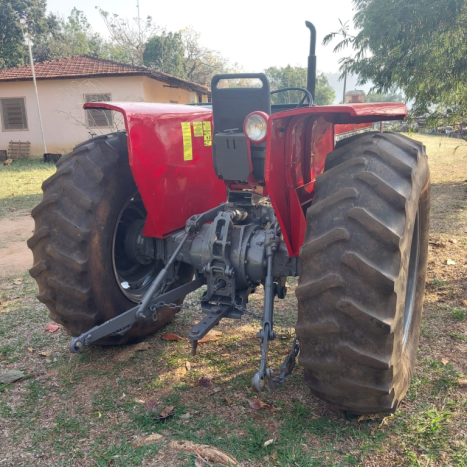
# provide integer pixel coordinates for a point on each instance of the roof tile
(81, 66)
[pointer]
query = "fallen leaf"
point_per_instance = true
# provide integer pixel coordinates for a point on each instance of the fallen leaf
(450, 262)
(444, 361)
(171, 337)
(452, 240)
(364, 418)
(187, 366)
(185, 416)
(205, 381)
(52, 373)
(227, 400)
(130, 351)
(11, 376)
(5, 310)
(18, 281)
(45, 353)
(257, 404)
(166, 412)
(215, 390)
(52, 327)
(148, 440)
(209, 453)
(140, 401)
(386, 419)
(30, 350)
(99, 415)
(12, 209)
(268, 442)
(210, 336)
(205, 339)
(462, 384)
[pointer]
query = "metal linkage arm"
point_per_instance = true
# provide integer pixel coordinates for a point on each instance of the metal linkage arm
(267, 333)
(141, 313)
(125, 321)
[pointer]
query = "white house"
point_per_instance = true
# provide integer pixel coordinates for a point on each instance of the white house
(65, 84)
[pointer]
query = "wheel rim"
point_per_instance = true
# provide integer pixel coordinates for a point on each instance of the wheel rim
(411, 287)
(133, 278)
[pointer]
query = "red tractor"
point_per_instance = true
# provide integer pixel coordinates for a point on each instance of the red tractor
(237, 195)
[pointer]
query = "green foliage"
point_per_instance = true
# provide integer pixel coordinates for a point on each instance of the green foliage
(165, 53)
(73, 37)
(418, 47)
(13, 51)
(459, 313)
(389, 97)
(290, 76)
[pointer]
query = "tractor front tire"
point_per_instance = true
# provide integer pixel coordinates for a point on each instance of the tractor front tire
(362, 274)
(74, 241)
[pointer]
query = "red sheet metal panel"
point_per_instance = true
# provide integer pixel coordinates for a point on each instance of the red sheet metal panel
(172, 189)
(297, 145)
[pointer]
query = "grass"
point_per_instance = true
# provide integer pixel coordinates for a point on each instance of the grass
(20, 185)
(88, 409)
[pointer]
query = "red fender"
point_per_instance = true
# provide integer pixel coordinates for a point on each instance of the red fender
(172, 188)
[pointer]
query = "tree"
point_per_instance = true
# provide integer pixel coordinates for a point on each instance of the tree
(200, 63)
(73, 36)
(130, 36)
(344, 32)
(13, 51)
(419, 47)
(165, 53)
(378, 97)
(290, 76)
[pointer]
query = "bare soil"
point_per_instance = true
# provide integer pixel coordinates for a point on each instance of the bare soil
(15, 256)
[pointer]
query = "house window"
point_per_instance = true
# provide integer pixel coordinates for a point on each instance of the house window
(14, 114)
(200, 98)
(209, 98)
(98, 118)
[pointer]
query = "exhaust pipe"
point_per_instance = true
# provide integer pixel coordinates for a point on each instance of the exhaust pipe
(311, 76)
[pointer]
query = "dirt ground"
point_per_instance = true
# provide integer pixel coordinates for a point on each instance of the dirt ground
(97, 408)
(15, 256)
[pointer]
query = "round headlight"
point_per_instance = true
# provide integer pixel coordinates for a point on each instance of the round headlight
(256, 127)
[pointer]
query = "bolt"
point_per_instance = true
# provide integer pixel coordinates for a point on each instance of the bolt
(195, 331)
(245, 262)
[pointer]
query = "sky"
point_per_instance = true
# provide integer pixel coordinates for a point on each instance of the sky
(254, 33)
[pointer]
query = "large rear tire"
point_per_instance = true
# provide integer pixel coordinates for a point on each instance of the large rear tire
(77, 258)
(362, 276)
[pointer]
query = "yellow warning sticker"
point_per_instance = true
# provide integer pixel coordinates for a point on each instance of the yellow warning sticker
(207, 133)
(187, 144)
(198, 129)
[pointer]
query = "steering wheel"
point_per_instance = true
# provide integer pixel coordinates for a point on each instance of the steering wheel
(302, 100)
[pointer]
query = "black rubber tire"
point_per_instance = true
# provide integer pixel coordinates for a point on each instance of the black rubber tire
(73, 239)
(353, 273)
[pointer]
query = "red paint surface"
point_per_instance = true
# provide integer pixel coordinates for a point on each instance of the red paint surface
(172, 189)
(347, 127)
(298, 142)
(297, 145)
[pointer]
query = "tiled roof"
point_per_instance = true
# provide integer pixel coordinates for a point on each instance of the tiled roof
(86, 66)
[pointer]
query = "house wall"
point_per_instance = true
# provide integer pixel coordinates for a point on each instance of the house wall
(61, 103)
(157, 91)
